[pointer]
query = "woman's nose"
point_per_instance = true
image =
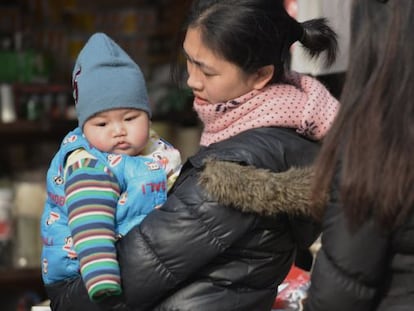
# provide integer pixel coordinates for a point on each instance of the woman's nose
(193, 81)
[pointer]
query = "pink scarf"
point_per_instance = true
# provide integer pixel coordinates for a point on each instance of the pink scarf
(306, 106)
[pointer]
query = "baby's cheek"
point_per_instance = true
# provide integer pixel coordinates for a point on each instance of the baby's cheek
(101, 143)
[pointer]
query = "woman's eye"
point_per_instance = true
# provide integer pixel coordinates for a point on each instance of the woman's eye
(208, 74)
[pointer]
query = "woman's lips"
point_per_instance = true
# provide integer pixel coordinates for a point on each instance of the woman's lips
(201, 101)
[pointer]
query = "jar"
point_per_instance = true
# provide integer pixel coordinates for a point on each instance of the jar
(6, 203)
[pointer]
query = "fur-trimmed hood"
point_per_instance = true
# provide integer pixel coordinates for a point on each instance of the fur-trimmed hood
(259, 190)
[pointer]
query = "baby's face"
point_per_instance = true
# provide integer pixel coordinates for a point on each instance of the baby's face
(120, 131)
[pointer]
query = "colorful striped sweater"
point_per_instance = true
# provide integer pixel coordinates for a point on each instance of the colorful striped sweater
(92, 193)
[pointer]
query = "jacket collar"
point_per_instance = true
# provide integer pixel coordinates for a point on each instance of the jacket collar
(260, 191)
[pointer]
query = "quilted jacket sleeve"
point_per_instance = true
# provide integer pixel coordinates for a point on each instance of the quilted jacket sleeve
(176, 240)
(350, 266)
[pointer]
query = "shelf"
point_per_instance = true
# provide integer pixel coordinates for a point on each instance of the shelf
(33, 131)
(21, 288)
(24, 278)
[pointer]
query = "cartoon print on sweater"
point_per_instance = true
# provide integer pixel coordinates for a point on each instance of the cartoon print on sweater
(68, 247)
(53, 216)
(123, 198)
(114, 159)
(58, 180)
(45, 264)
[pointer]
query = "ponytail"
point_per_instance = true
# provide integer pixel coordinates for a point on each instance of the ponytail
(257, 33)
(318, 37)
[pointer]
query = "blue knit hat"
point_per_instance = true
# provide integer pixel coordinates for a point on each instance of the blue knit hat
(105, 77)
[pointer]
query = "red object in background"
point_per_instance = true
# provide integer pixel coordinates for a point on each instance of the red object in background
(292, 291)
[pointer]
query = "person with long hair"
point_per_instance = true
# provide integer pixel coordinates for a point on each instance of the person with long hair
(366, 165)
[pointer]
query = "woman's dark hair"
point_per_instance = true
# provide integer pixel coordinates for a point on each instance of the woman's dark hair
(373, 136)
(256, 33)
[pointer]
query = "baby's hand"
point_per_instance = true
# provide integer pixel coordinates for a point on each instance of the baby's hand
(111, 301)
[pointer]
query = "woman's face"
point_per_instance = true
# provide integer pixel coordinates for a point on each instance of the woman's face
(212, 78)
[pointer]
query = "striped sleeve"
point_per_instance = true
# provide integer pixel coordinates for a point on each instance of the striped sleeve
(92, 192)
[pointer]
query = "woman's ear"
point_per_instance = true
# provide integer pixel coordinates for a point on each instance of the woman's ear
(263, 76)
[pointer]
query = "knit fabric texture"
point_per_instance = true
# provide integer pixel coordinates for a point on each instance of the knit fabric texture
(94, 198)
(304, 104)
(105, 77)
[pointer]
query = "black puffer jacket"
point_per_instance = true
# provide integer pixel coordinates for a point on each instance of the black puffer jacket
(197, 254)
(362, 270)
(365, 269)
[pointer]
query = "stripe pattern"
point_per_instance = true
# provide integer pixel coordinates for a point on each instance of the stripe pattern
(92, 192)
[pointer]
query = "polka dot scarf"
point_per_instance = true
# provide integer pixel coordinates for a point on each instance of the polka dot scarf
(305, 105)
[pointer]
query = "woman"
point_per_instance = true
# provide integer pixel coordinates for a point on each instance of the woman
(367, 256)
(194, 253)
(366, 166)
